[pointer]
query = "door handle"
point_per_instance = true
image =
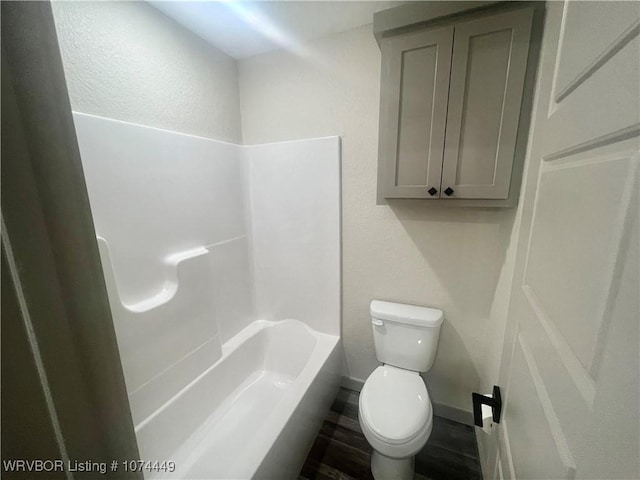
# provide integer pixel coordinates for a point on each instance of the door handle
(495, 402)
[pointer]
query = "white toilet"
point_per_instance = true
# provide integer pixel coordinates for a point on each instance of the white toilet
(395, 410)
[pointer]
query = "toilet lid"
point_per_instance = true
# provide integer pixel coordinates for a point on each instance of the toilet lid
(395, 404)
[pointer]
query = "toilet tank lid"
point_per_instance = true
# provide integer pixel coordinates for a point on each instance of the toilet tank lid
(408, 314)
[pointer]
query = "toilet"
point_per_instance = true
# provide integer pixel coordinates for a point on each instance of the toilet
(395, 410)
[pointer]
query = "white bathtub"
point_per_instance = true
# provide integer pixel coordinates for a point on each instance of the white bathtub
(254, 413)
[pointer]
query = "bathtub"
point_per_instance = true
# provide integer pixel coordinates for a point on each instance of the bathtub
(248, 408)
(252, 414)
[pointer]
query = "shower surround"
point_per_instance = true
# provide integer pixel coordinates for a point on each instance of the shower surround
(222, 265)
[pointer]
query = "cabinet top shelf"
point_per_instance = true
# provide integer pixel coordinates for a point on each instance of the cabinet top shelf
(418, 14)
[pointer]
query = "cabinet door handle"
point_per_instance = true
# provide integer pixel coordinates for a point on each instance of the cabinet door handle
(432, 191)
(448, 191)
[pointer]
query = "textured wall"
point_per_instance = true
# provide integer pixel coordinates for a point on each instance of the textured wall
(127, 61)
(406, 252)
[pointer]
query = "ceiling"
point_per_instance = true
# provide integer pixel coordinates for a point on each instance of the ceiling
(245, 28)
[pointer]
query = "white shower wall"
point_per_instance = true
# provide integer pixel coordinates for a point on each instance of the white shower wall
(154, 193)
(295, 219)
(257, 227)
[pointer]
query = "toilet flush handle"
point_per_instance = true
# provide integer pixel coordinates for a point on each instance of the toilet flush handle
(376, 322)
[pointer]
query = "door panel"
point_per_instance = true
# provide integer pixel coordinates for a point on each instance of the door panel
(414, 88)
(487, 75)
(607, 102)
(592, 196)
(534, 426)
(416, 115)
(614, 25)
(488, 60)
(570, 357)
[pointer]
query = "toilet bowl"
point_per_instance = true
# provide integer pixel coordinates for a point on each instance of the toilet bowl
(396, 418)
(395, 411)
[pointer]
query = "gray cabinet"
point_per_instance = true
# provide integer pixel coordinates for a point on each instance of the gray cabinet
(414, 111)
(451, 99)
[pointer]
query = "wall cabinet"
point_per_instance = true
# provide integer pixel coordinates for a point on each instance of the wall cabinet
(451, 100)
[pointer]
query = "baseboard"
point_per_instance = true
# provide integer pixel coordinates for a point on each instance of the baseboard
(349, 383)
(441, 410)
(453, 413)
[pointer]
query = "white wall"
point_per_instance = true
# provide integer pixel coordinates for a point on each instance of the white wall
(171, 209)
(193, 231)
(295, 229)
(128, 61)
(154, 193)
(406, 252)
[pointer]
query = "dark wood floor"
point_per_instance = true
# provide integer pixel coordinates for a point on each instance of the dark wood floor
(341, 452)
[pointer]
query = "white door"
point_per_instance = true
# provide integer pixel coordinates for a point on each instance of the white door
(570, 365)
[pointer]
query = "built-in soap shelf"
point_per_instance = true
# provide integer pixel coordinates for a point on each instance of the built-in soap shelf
(177, 265)
(158, 335)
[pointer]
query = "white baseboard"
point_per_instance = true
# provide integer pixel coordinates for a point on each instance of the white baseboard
(349, 383)
(453, 413)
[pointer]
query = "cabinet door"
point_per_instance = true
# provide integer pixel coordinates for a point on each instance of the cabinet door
(487, 78)
(413, 110)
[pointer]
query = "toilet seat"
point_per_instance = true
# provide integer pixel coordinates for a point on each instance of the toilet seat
(395, 406)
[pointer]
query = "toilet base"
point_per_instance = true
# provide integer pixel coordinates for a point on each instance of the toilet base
(387, 468)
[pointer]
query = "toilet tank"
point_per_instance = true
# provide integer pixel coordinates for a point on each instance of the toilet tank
(405, 336)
